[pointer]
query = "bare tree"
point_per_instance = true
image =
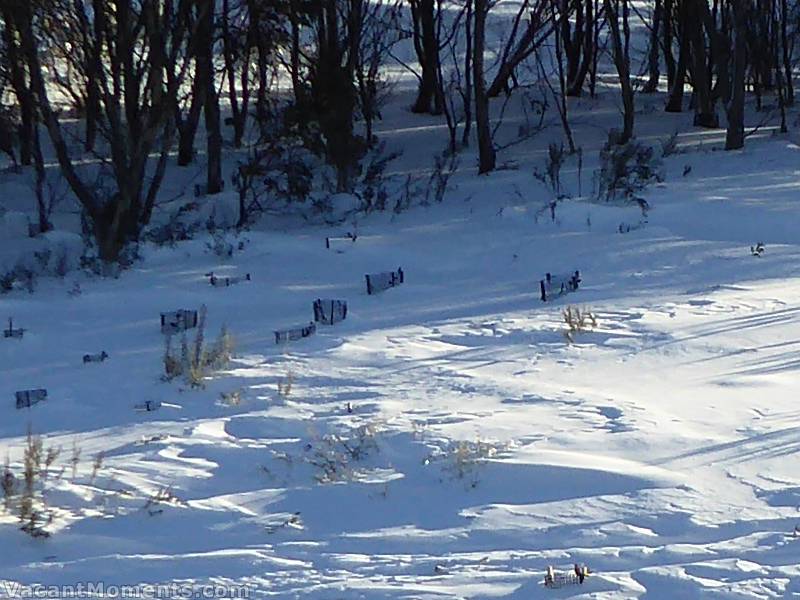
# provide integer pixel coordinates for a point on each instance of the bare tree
(142, 43)
(536, 28)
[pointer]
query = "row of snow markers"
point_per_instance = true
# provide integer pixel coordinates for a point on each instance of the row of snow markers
(27, 398)
(554, 286)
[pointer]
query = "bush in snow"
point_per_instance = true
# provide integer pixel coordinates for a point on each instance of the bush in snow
(626, 169)
(577, 321)
(551, 176)
(25, 496)
(335, 454)
(462, 459)
(194, 360)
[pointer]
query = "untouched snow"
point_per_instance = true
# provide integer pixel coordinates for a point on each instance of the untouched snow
(660, 449)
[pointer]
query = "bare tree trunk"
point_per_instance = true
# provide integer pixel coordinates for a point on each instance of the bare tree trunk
(575, 84)
(187, 126)
(561, 97)
(206, 73)
(426, 43)
(652, 57)
(669, 59)
(467, 92)
(705, 114)
(786, 53)
(231, 49)
(675, 99)
(25, 97)
(734, 138)
(486, 152)
(622, 62)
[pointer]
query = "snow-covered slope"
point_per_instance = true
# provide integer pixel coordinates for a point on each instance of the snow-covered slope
(445, 441)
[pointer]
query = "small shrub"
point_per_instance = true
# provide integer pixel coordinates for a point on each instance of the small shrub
(577, 321)
(163, 495)
(669, 146)
(96, 466)
(195, 361)
(9, 484)
(551, 177)
(445, 164)
(233, 398)
(626, 169)
(285, 386)
(33, 512)
(335, 454)
(462, 459)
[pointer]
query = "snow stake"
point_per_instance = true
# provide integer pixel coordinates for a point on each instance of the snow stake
(553, 286)
(330, 312)
(10, 332)
(378, 282)
(27, 398)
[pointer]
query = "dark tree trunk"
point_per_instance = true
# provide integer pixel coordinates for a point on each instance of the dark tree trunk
(25, 98)
(486, 152)
(705, 113)
(206, 72)
(675, 99)
(467, 93)
(622, 62)
(575, 84)
(786, 53)
(734, 138)
(426, 42)
(231, 49)
(652, 57)
(669, 59)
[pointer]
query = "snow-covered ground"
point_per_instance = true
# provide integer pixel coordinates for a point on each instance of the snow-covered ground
(473, 445)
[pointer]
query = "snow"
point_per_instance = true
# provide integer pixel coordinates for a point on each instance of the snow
(660, 448)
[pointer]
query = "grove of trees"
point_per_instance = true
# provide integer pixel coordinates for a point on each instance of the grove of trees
(119, 89)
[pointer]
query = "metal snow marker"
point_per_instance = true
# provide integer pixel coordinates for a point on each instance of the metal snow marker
(378, 282)
(340, 240)
(295, 333)
(329, 312)
(179, 320)
(27, 398)
(553, 286)
(95, 358)
(10, 332)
